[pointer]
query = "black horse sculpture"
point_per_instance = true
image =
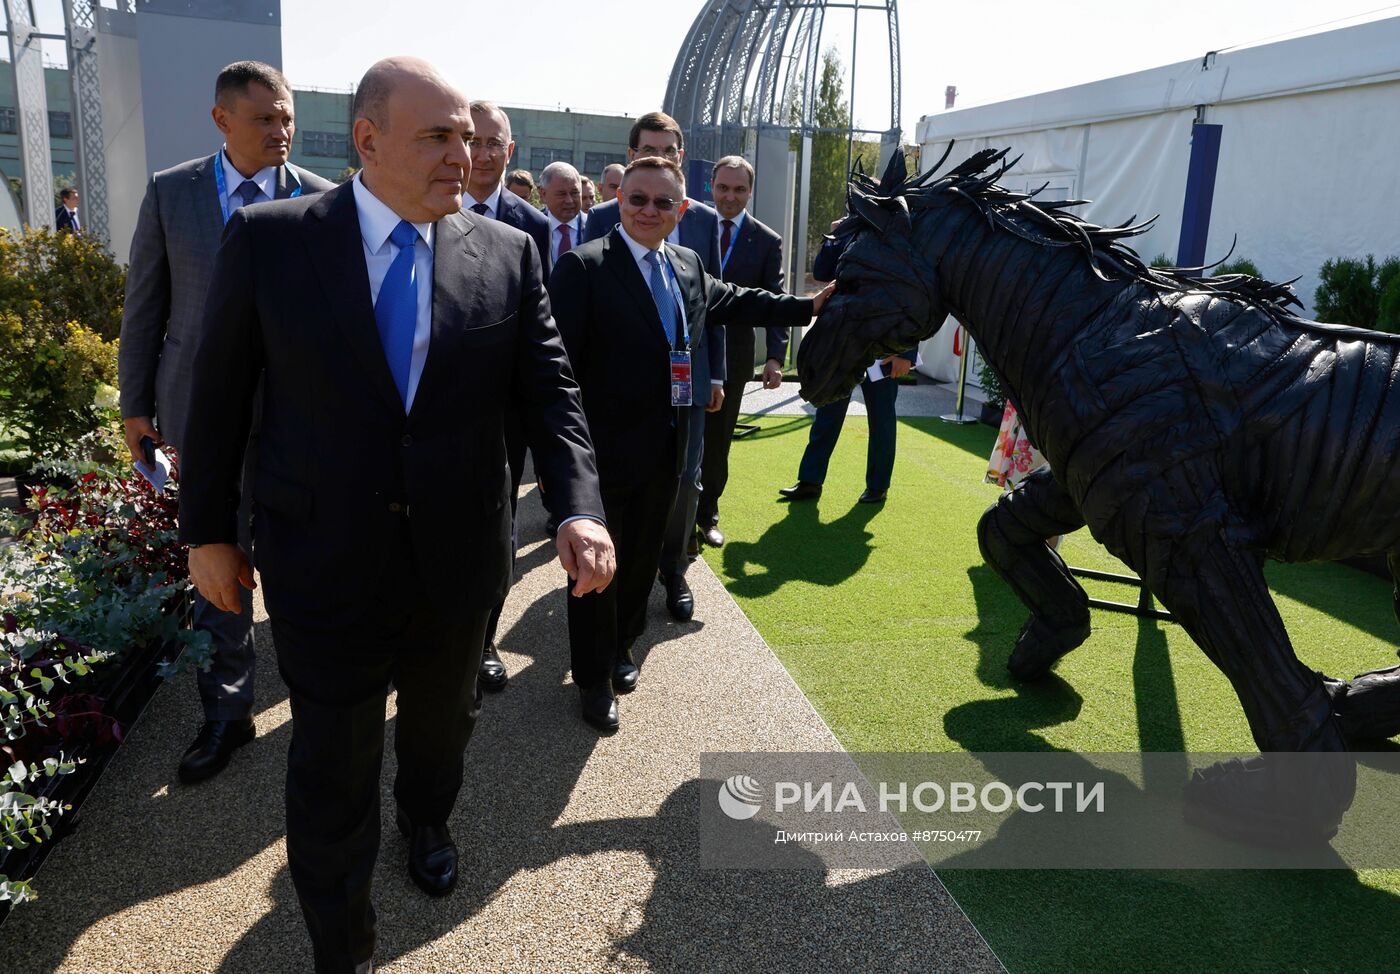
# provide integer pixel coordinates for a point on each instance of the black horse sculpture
(1192, 423)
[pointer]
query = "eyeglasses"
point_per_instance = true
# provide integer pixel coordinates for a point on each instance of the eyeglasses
(670, 152)
(639, 200)
(491, 145)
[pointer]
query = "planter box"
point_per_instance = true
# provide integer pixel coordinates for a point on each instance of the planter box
(125, 688)
(991, 414)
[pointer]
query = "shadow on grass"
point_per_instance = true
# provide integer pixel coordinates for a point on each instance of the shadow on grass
(1355, 597)
(1040, 921)
(973, 438)
(771, 427)
(801, 548)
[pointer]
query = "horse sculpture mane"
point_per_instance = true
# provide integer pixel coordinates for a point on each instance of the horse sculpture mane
(1193, 423)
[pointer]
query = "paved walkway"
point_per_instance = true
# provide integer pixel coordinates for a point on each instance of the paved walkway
(579, 853)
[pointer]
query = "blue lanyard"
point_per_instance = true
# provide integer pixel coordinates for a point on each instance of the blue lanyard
(220, 183)
(673, 287)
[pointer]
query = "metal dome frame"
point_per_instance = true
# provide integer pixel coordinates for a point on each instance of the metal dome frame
(741, 67)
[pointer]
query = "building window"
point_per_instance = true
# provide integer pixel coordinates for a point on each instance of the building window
(595, 162)
(539, 158)
(9, 122)
(60, 125)
(330, 144)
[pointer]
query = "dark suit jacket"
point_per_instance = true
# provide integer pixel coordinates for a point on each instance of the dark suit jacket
(756, 260)
(618, 347)
(63, 221)
(515, 212)
(344, 478)
(699, 231)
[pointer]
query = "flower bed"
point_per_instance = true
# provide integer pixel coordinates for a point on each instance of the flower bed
(93, 599)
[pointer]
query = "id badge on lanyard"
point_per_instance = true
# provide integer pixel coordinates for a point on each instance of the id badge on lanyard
(680, 378)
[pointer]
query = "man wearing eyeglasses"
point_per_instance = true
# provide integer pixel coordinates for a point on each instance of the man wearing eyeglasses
(632, 310)
(657, 135)
(491, 150)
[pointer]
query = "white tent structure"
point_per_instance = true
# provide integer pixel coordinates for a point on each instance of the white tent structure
(1308, 153)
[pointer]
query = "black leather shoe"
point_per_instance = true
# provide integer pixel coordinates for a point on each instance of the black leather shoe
(624, 676)
(713, 537)
(492, 675)
(213, 746)
(599, 707)
(872, 496)
(801, 491)
(679, 602)
(432, 856)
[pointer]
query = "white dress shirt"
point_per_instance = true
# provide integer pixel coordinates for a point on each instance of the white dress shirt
(265, 179)
(493, 202)
(575, 232)
(73, 215)
(377, 221)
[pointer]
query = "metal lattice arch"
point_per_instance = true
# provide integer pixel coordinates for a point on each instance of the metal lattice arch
(745, 81)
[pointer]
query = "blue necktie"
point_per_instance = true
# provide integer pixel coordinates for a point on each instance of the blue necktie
(396, 310)
(249, 191)
(661, 294)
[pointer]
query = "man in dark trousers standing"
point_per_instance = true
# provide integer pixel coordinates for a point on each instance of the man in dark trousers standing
(657, 135)
(492, 147)
(392, 332)
(751, 255)
(633, 311)
(172, 256)
(879, 389)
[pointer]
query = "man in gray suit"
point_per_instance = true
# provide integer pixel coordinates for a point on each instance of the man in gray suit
(172, 256)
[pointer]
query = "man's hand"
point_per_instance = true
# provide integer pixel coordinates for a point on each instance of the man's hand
(716, 398)
(586, 552)
(899, 365)
(217, 570)
(772, 374)
(819, 299)
(137, 427)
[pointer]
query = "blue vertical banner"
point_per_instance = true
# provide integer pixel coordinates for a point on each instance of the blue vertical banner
(1200, 194)
(698, 173)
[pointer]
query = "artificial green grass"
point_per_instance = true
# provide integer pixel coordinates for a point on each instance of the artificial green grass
(898, 634)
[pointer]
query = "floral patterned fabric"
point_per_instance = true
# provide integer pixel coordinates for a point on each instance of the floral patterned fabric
(1013, 457)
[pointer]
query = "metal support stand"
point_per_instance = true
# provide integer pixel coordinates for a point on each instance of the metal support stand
(742, 430)
(1144, 608)
(958, 416)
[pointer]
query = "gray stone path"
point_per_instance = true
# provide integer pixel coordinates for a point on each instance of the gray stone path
(579, 853)
(928, 398)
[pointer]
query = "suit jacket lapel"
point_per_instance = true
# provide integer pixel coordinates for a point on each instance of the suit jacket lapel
(284, 185)
(338, 254)
(208, 209)
(618, 257)
(454, 297)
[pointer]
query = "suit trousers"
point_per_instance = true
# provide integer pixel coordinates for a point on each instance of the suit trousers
(719, 437)
(339, 681)
(826, 430)
(226, 688)
(604, 625)
(674, 560)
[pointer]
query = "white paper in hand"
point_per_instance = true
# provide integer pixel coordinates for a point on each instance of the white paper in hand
(158, 475)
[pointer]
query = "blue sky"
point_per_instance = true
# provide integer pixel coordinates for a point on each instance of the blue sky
(615, 55)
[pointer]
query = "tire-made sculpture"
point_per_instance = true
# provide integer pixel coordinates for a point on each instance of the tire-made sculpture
(1192, 423)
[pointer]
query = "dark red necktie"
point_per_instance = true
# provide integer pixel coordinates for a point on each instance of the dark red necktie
(724, 238)
(564, 245)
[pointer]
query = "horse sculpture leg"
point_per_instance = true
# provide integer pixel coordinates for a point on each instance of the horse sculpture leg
(1012, 537)
(1218, 593)
(1368, 705)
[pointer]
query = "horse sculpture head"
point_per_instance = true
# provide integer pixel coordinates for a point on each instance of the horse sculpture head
(886, 298)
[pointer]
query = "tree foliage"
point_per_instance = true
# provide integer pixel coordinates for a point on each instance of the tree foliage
(66, 276)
